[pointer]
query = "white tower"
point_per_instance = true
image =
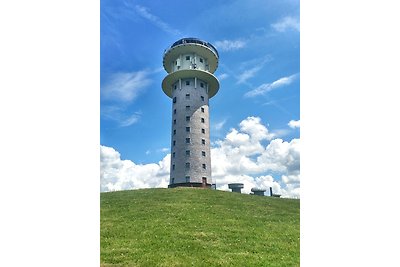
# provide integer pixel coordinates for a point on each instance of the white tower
(190, 63)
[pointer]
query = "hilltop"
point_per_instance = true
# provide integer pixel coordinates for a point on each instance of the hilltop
(197, 227)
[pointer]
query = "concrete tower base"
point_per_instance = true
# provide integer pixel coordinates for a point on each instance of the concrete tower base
(189, 185)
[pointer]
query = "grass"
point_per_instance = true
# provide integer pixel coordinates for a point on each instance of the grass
(197, 227)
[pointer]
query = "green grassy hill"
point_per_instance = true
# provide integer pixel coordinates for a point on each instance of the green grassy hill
(197, 227)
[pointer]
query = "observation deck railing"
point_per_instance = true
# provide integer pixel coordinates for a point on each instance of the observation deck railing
(193, 41)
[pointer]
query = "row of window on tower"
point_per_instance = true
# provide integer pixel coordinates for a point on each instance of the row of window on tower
(187, 97)
(188, 83)
(188, 141)
(187, 153)
(189, 58)
(203, 131)
(187, 166)
(187, 108)
(188, 119)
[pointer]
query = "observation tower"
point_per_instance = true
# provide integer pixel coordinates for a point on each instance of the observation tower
(190, 83)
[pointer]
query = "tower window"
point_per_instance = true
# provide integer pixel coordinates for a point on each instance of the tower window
(187, 165)
(204, 166)
(202, 110)
(202, 120)
(203, 131)
(203, 153)
(187, 178)
(187, 152)
(187, 107)
(173, 143)
(187, 57)
(172, 180)
(174, 132)
(174, 87)
(174, 100)
(174, 121)
(187, 118)
(187, 82)
(202, 98)
(201, 85)
(173, 155)
(188, 129)
(187, 96)
(201, 60)
(174, 111)
(203, 141)
(187, 140)
(173, 167)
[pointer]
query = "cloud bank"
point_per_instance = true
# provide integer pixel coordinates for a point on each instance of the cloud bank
(117, 174)
(242, 156)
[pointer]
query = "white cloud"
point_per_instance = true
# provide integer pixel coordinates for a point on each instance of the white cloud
(249, 68)
(229, 45)
(291, 179)
(247, 74)
(223, 76)
(117, 174)
(126, 86)
(267, 87)
(143, 12)
(286, 23)
(257, 131)
(218, 125)
(116, 113)
(130, 120)
(280, 132)
(240, 157)
(294, 124)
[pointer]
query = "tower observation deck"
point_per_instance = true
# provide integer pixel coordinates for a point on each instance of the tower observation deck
(190, 83)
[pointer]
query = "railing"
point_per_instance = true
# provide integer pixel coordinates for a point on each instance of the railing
(193, 41)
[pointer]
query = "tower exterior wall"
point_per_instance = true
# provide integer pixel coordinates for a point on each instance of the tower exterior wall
(190, 107)
(190, 83)
(189, 61)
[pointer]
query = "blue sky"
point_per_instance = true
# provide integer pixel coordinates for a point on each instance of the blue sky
(259, 71)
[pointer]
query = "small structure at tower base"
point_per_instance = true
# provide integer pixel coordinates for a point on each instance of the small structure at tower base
(258, 191)
(236, 187)
(273, 195)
